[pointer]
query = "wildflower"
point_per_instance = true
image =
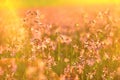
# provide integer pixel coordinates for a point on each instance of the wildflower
(108, 41)
(106, 56)
(118, 71)
(111, 34)
(1, 71)
(13, 65)
(65, 39)
(1, 49)
(80, 69)
(66, 60)
(30, 71)
(90, 62)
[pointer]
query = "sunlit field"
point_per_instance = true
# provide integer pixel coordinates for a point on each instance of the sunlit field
(60, 40)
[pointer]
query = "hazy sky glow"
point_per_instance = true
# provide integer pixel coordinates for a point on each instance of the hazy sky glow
(34, 3)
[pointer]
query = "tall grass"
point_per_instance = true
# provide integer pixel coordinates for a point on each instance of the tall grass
(50, 52)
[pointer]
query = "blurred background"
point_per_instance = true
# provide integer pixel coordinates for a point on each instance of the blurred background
(38, 3)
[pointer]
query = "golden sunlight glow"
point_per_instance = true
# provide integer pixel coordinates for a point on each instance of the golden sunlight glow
(13, 23)
(11, 9)
(34, 3)
(84, 2)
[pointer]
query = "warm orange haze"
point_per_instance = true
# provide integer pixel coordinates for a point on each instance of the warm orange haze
(59, 40)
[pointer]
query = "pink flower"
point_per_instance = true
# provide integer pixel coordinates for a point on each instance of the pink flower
(1, 49)
(1, 71)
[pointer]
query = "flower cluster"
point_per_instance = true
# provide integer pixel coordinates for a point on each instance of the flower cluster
(36, 51)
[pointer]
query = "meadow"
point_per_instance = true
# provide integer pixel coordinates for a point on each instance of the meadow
(60, 44)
